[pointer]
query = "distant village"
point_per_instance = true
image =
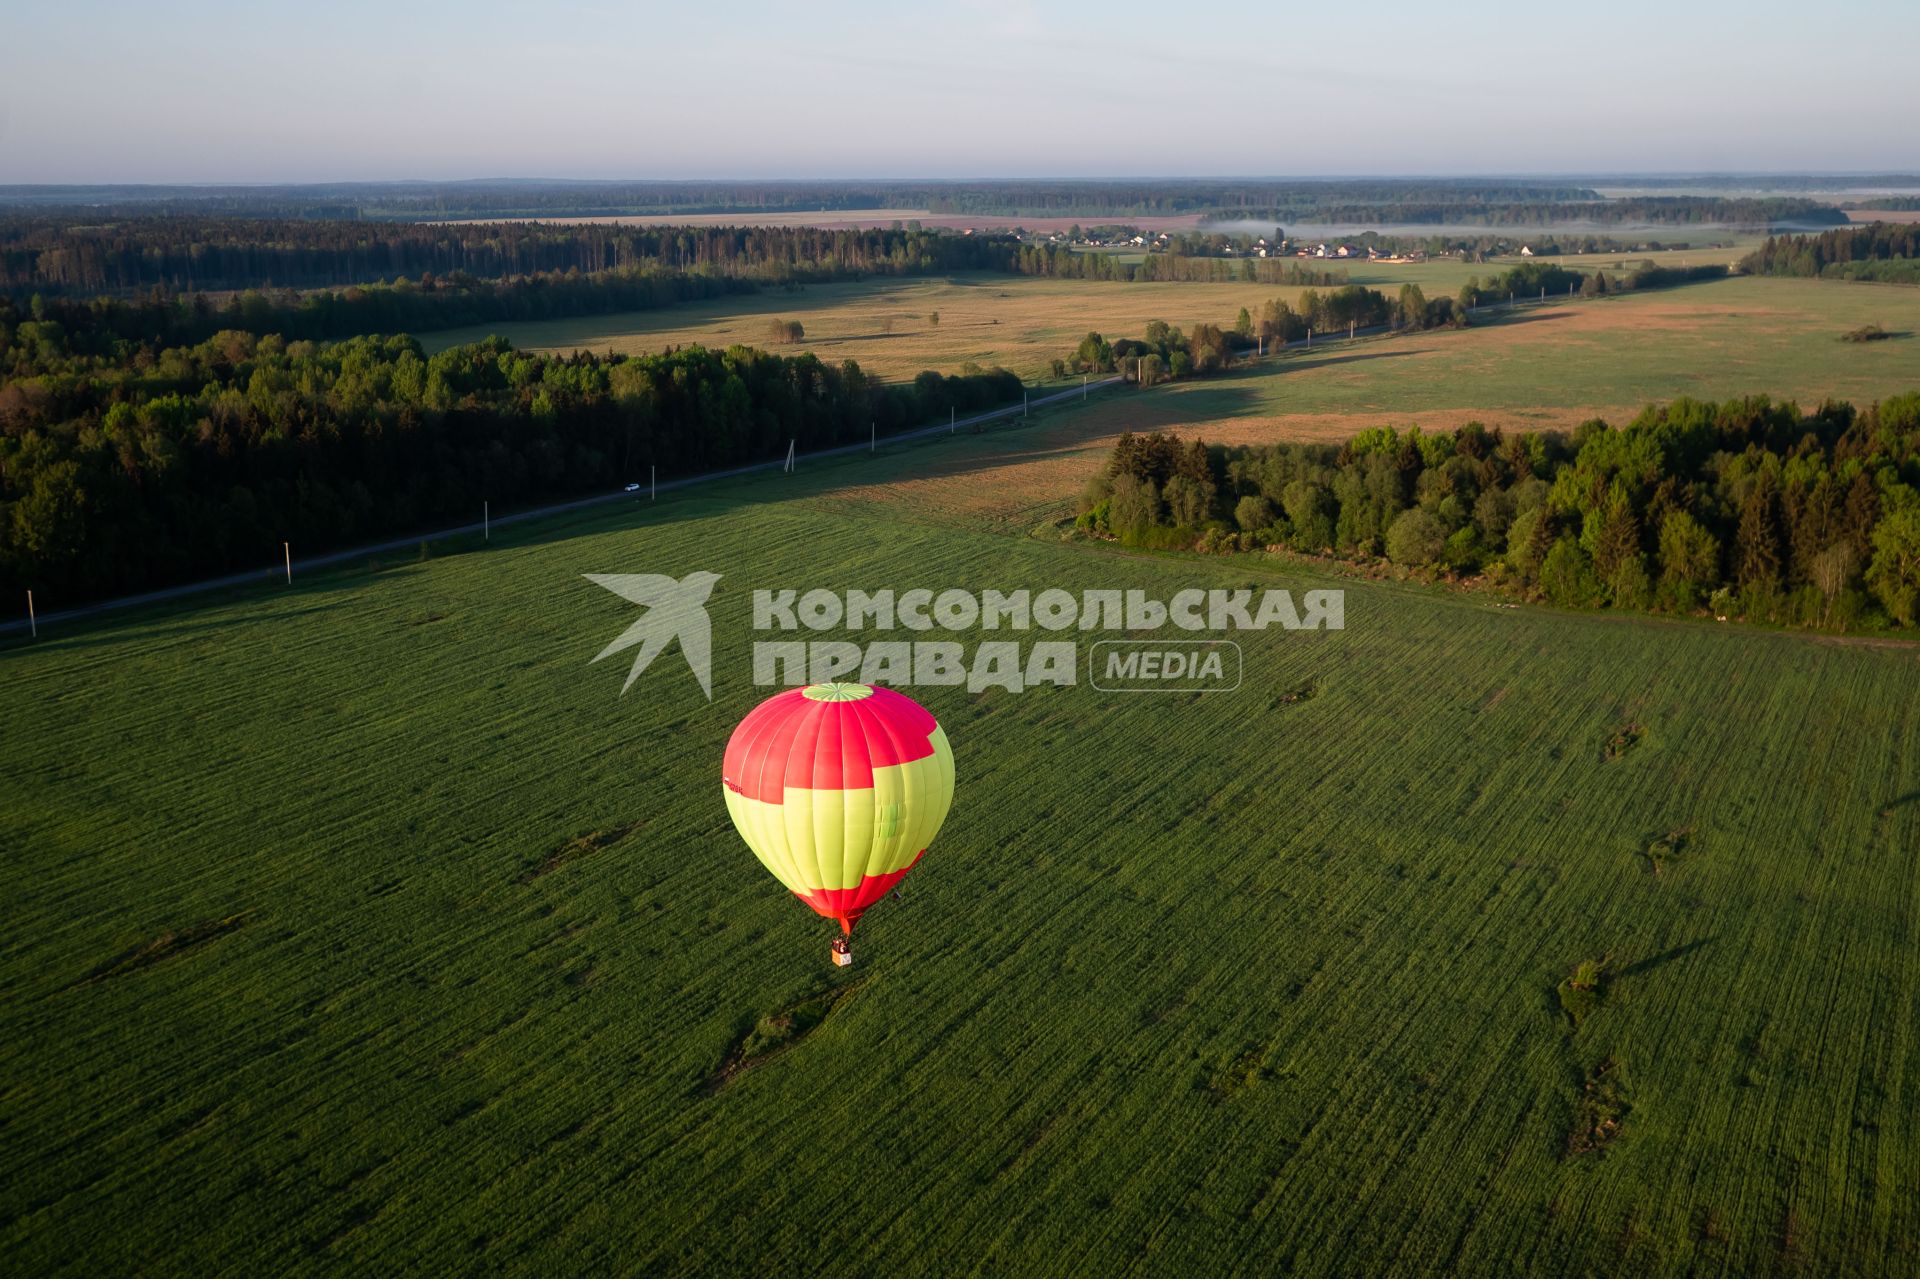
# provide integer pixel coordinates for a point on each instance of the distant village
(1364, 247)
(1216, 245)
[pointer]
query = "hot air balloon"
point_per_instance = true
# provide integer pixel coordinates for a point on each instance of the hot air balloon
(838, 789)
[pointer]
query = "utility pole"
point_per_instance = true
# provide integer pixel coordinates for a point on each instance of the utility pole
(953, 420)
(790, 447)
(873, 436)
(1025, 402)
(486, 523)
(1309, 339)
(286, 549)
(33, 622)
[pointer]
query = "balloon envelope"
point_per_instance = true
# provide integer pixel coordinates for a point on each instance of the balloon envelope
(838, 789)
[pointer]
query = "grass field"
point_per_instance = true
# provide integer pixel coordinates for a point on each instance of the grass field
(363, 925)
(1019, 322)
(1560, 364)
(1550, 368)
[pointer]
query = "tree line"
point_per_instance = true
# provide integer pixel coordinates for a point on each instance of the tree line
(1511, 202)
(492, 199)
(146, 466)
(1884, 251)
(1885, 204)
(1166, 353)
(193, 254)
(1669, 210)
(1745, 508)
(459, 301)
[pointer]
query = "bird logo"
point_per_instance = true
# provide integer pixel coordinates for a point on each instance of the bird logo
(675, 608)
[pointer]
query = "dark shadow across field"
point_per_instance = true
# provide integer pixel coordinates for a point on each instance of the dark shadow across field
(1642, 966)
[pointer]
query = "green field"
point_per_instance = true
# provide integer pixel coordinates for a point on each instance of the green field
(1552, 367)
(1560, 364)
(1024, 323)
(364, 926)
(1018, 322)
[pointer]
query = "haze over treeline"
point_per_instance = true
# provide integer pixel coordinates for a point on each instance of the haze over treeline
(964, 89)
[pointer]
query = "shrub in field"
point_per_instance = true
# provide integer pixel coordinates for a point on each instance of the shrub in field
(1662, 849)
(1599, 1110)
(1583, 990)
(1624, 739)
(1230, 1079)
(777, 1031)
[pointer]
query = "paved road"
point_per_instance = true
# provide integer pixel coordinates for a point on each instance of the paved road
(601, 499)
(278, 571)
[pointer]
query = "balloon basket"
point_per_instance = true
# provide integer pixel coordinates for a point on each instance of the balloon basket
(842, 958)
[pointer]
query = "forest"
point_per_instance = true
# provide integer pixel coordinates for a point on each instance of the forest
(150, 465)
(195, 254)
(1746, 508)
(1885, 251)
(406, 306)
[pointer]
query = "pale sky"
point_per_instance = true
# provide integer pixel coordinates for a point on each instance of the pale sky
(221, 91)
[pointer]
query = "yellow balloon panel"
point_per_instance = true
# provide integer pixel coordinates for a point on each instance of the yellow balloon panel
(833, 839)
